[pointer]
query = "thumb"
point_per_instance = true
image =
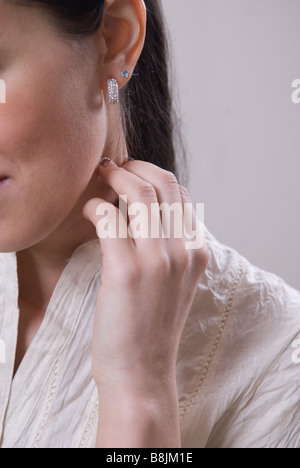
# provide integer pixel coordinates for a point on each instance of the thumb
(111, 226)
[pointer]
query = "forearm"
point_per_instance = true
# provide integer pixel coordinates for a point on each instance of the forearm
(142, 421)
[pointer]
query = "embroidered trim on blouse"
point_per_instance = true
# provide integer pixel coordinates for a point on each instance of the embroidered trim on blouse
(48, 405)
(90, 425)
(216, 343)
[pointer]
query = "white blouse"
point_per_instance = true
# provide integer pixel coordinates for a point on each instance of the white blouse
(237, 368)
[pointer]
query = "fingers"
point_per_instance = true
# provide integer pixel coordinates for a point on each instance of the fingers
(140, 195)
(169, 198)
(145, 186)
(187, 230)
(111, 229)
(194, 228)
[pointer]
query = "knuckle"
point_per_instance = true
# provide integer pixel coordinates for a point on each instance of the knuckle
(146, 191)
(169, 178)
(201, 259)
(184, 192)
(204, 254)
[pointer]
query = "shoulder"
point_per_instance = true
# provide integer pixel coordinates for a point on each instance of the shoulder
(256, 304)
(263, 310)
(237, 349)
(241, 304)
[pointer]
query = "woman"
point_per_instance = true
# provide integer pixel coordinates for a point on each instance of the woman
(120, 342)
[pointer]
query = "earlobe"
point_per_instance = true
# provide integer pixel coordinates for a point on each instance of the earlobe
(123, 30)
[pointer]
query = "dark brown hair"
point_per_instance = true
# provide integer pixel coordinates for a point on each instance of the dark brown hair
(151, 126)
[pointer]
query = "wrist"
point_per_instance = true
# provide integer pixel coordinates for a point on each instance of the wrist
(138, 387)
(133, 418)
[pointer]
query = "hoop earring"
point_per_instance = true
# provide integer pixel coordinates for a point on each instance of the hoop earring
(113, 91)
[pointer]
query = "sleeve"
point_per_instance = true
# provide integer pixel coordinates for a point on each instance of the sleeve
(256, 377)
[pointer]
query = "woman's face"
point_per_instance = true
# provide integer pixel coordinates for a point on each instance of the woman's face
(53, 126)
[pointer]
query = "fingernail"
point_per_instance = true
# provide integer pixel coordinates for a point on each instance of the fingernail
(105, 162)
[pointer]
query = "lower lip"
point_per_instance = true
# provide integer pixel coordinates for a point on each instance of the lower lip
(3, 184)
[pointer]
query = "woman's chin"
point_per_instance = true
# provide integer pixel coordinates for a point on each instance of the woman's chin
(7, 246)
(12, 243)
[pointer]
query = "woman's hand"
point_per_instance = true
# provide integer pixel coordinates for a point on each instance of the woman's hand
(147, 287)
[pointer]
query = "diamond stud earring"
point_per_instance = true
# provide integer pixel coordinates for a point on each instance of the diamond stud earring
(125, 73)
(113, 91)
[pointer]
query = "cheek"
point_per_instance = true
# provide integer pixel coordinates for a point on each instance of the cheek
(36, 146)
(51, 146)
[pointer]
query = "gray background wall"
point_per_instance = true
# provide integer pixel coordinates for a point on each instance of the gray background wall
(235, 62)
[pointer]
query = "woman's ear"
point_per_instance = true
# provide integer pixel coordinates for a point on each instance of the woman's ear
(122, 32)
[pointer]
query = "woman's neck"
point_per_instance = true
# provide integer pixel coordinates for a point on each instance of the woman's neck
(40, 266)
